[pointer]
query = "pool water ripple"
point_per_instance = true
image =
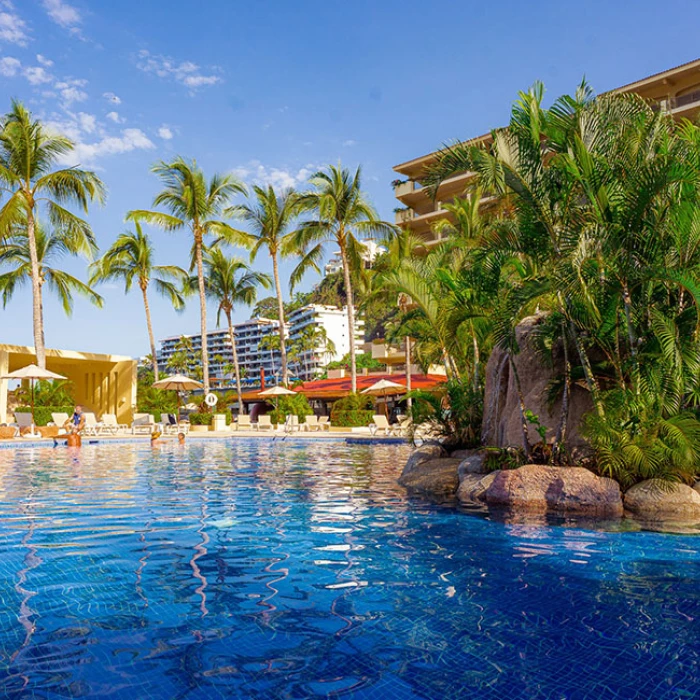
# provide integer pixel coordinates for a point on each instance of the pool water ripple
(261, 569)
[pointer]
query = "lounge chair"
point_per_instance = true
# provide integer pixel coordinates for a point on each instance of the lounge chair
(242, 422)
(264, 423)
(382, 423)
(25, 420)
(92, 426)
(311, 423)
(110, 426)
(324, 423)
(143, 423)
(59, 420)
(291, 423)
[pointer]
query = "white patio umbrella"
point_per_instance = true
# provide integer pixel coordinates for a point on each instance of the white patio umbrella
(177, 382)
(384, 388)
(276, 392)
(33, 372)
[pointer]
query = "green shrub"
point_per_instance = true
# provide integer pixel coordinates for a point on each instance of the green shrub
(42, 414)
(454, 413)
(201, 418)
(352, 411)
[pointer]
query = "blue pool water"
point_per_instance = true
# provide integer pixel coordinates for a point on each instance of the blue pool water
(260, 569)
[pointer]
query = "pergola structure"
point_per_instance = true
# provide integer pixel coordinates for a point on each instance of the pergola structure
(101, 383)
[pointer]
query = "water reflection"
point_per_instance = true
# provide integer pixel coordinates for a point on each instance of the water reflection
(267, 569)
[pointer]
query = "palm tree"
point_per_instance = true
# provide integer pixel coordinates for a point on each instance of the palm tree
(342, 212)
(229, 281)
(130, 258)
(28, 153)
(50, 247)
(198, 205)
(270, 218)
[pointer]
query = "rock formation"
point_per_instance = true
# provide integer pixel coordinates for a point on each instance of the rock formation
(502, 421)
(653, 500)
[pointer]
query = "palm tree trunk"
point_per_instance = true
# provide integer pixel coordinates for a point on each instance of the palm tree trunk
(591, 382)
(236, 366)
(280, 317)
(350, 300)
(202, 310)
(477, 362)
(37, 303)
(522, 408)
(149, 325)
(560, 438)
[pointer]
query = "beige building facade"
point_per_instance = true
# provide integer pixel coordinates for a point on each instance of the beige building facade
(676, 90)
(101, 383)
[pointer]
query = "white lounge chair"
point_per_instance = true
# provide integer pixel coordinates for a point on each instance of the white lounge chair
(291, 423)
(110, 425)
(60, 420)
(381, 423)
(25, 420)
(324, 423)
(143, 424)
(92, 426)
(264, 423)
(242, 422)
(311, 423)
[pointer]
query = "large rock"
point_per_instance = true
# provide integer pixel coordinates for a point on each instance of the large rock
(422, 454)
(474, 463)
(558, 489)
(655, 500)
(472, 487)
(502, 426)
(434, 477)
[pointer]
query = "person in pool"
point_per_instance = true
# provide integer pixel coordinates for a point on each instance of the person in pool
(154, 438)
(76, 422)
(181, 438)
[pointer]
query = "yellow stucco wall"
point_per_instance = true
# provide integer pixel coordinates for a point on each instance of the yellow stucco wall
(101, 383)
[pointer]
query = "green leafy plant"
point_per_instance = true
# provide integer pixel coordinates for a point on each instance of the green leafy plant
(42, 414)
(454, 413)
(297, 405)
(354, 410)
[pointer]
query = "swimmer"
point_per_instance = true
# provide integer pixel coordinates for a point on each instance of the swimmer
(154, 438)
(71, 440)
(181, 438)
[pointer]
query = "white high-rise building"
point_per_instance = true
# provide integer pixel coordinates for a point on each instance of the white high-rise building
(251, 356)
(370, 251)
(334, 324)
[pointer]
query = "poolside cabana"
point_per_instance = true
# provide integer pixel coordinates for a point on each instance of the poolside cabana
(102, 383)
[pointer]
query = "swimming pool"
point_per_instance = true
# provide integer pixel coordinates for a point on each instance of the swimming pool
(261, 569)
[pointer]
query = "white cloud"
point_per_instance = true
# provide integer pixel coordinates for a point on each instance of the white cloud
(88, 153)
(13, 28)
(87, 122)
(36, 75)
(62, 13)
(349, 143)
(44, 61)
(111, 97)
(165, 132)
(186, 73)
(280, 178)
(70, 91)
(114, 116)
(9, 67)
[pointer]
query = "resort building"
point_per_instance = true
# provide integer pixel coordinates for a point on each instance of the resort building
(329, 333)
(100, 383)
(329, 322)
(370, 250)
(676, 91)
(252, 358)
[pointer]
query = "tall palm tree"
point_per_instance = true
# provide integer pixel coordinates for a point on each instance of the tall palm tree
(270, 218)
(28, 154)
(50, 247)
(197, 204)
(130, 258)
(229, 281)
(342, 213)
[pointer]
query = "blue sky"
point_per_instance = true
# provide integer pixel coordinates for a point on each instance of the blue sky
(273, 90)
